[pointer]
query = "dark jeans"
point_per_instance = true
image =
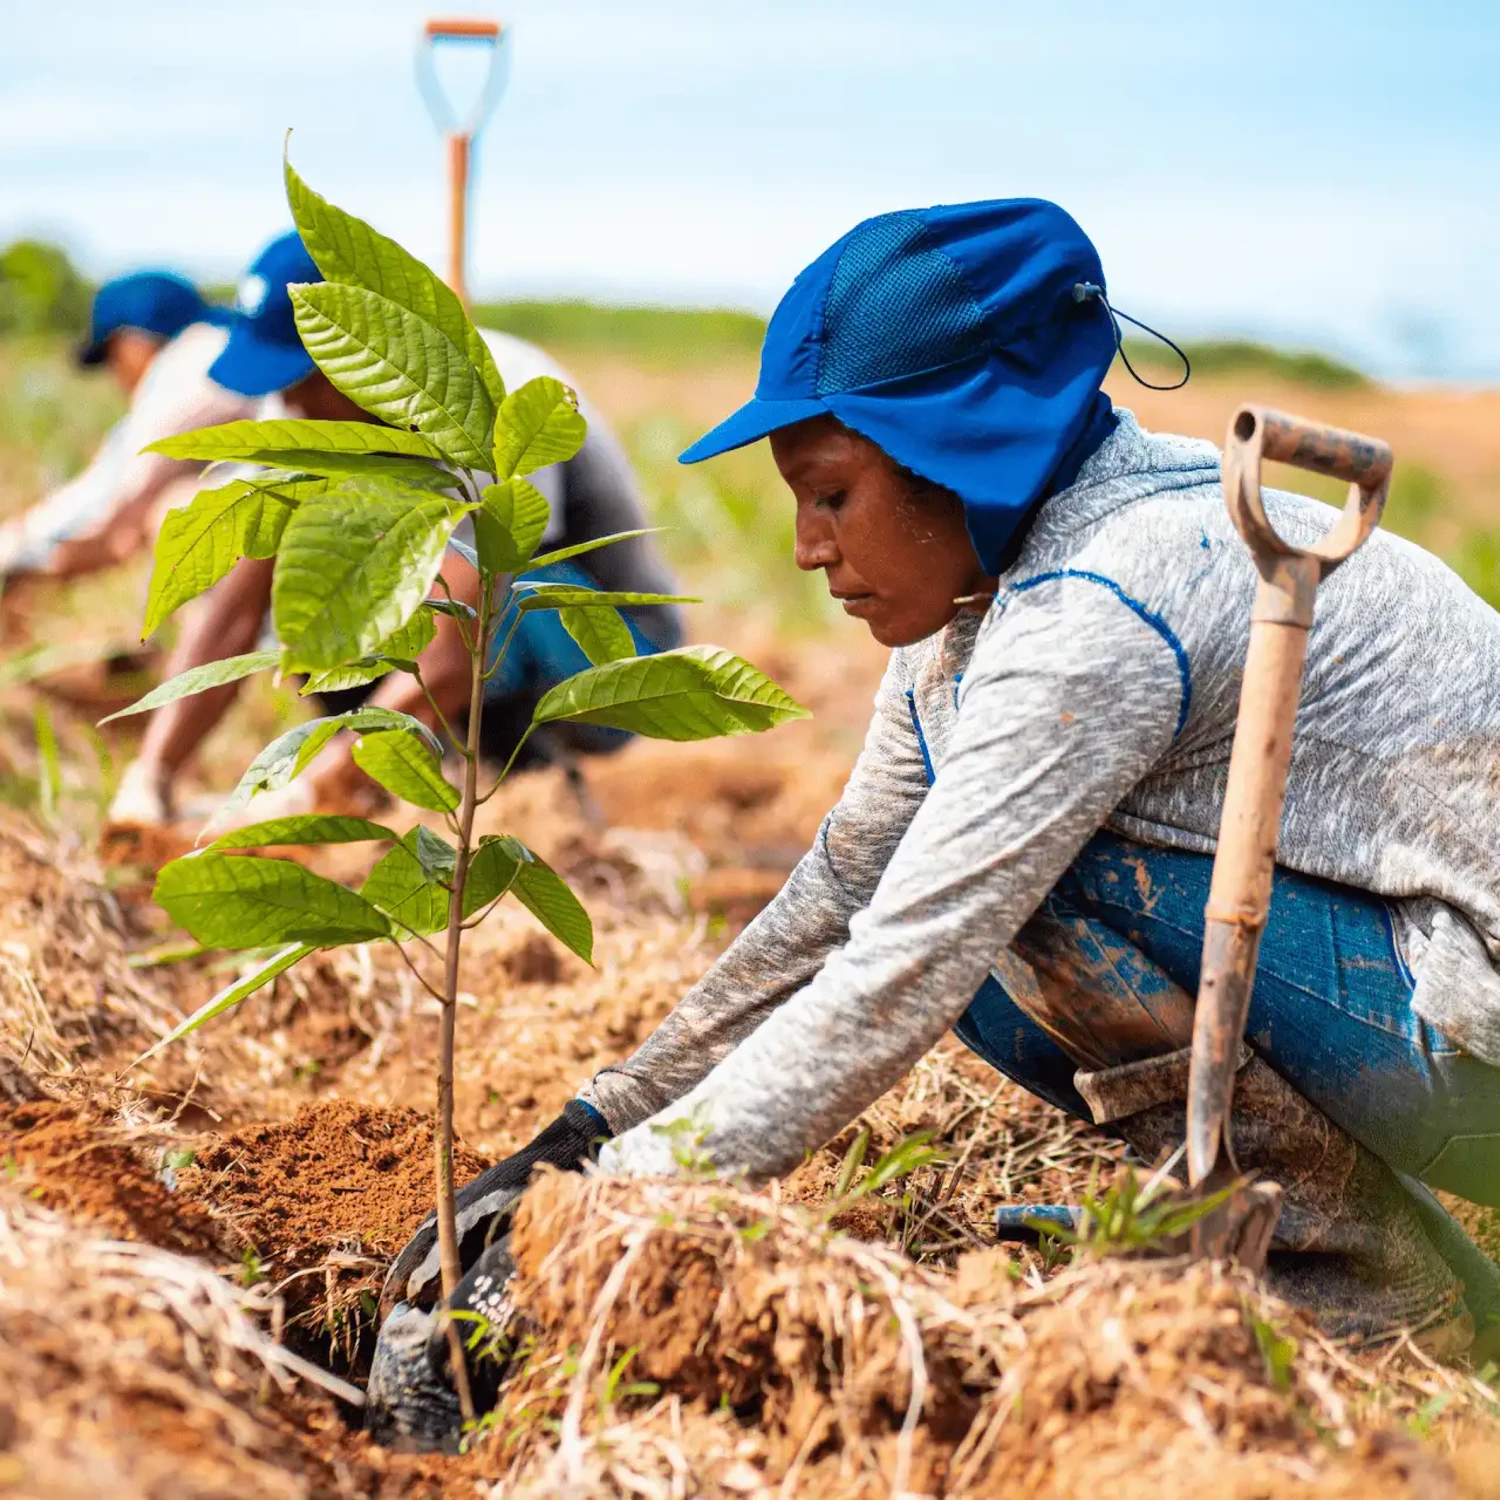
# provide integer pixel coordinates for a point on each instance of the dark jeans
(541, 655)
(1331, 1010)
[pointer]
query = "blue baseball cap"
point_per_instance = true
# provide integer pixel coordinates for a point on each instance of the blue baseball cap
(155, 302)
(969, 342)
(264, 352)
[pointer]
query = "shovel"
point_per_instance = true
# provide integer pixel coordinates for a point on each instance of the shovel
(1239, 1227)
(461, 132)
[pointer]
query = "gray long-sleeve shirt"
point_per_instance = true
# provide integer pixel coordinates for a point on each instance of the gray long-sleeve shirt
(1100, 689)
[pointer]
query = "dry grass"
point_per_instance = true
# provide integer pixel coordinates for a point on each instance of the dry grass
(778, 1356)
(131, 1372)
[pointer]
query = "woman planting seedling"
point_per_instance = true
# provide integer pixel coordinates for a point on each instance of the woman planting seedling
(1022, 852)
(358, 517)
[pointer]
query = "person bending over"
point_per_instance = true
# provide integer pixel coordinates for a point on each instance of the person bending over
(157, 337)
(1023, 849)
(593, 494)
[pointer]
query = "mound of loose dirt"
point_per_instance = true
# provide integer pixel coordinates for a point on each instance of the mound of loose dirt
(73, 1159)
(850, 1372)
(321, 1202)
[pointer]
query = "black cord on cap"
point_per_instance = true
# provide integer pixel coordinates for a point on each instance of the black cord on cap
(1087, 291)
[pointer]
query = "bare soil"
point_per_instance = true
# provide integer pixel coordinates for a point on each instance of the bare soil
(684, 1340)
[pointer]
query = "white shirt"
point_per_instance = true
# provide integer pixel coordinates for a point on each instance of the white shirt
(175, 395)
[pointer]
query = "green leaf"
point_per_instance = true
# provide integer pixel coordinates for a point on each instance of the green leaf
(199, 543)
(281, 440)
(537, 425)
(437, 857)
(288, 755)
(352, 568)
(545, 894)
(404, 887)
(564, 553)
(573, 596)
(406, 767)
(400, 649)
(229, 901)
(410, 640)
(348, 250)
(231, 995)
(602, 634)
(358, 673)
(304, 828)
(420, 473)
(198, 679)
(692, 693)
(493, 867)
(399, 367)
(508, 527)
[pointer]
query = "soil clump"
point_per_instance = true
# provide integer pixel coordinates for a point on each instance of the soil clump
(318, 1205)
(72, 1159)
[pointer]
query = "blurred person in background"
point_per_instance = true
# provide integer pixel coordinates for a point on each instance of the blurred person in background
(155, 334)
(593, 494)
(1023, 850)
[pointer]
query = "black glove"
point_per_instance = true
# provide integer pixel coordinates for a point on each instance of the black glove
(409, 1399)
(485, 1205)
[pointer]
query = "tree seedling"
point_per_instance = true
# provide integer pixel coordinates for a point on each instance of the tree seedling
(359, 517)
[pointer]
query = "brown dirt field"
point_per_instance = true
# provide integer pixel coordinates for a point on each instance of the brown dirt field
(891, 1343)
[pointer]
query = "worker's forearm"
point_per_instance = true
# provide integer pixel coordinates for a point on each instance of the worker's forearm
(227, 622)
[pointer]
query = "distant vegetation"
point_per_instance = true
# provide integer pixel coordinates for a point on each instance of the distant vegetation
(1241, 357)
(41, 291)
(653, 333)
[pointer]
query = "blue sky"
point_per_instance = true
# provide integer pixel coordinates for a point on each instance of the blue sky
(1319, 173)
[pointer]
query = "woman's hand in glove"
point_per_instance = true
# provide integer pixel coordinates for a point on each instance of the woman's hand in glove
(485, 1205)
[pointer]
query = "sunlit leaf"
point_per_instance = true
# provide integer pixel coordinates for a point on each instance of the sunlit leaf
(347, 249)
(353, 567)
(409, 641)
(572, 596)
(198, 679)
(692, 693)
(199, 543)
(284, 440)
(492, 868)
(509, 526)
(358, 673)
(232, 994)
(420, 473)
(302, 828)
(545, 894)
(406, 768)
(537, 425)
(397, 366)
(409, 891)
(230, 901)
(602, 634)
(398, 650)
(562, 554)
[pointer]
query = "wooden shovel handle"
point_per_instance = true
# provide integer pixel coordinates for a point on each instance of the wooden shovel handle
(476, 30)
(1257, 432)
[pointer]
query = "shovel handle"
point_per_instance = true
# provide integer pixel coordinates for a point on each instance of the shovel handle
(1258, 432)
(1281, 619)
(471, 29)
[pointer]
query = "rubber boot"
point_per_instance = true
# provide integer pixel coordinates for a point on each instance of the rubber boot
(1350, 1245)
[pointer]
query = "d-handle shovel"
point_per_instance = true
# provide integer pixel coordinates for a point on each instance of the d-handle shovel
(461, 132)
(1240, 893)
